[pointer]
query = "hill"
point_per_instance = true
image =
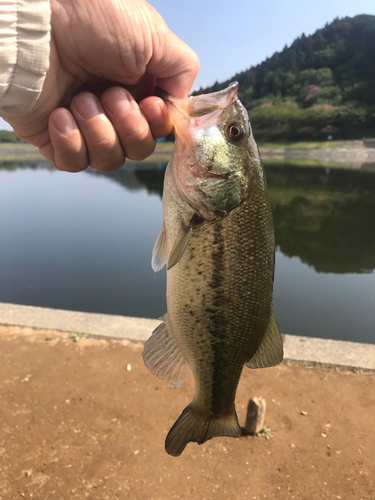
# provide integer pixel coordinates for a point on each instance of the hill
(320, 86)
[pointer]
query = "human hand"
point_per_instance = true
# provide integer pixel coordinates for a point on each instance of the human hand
(106, 58)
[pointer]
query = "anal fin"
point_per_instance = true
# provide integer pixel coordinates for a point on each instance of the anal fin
(163, 357)
(270, 352)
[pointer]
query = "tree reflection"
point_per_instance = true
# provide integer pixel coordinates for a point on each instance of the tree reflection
(324, 217)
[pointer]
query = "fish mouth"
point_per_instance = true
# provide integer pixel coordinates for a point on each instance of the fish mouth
(199, 172)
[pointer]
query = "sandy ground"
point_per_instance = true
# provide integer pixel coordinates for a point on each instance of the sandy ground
(75, 423)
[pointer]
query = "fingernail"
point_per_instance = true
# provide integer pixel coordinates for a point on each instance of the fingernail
(87, 106)
(64, 122)
(118, 102)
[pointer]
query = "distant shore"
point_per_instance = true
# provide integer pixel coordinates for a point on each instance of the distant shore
(352, 154)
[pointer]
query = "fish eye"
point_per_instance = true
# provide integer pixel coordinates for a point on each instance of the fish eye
(235, 132)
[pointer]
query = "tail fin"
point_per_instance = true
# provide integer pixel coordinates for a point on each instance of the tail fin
(192, 426)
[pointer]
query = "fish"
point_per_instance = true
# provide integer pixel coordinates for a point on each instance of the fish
(217, 242)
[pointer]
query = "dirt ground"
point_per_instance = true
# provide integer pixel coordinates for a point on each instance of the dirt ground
(87, 420)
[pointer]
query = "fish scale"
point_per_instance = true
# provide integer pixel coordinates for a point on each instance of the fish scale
(217, 240)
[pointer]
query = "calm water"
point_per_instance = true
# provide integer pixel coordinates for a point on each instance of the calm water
(84, 241)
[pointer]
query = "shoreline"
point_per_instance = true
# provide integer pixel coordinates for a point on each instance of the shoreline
(346, 154)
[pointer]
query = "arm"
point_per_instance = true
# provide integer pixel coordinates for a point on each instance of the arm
(24, 53)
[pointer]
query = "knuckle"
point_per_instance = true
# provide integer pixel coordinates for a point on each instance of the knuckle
(71, 162)
(138, 143)
(101, 144)
(107, 164)
(135, 135)
(141, 153)
(69, 167)
(158, 133)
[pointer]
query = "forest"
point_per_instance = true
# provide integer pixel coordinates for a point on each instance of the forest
(322, 86)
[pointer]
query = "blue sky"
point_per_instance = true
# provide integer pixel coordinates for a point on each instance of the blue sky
(231, 36)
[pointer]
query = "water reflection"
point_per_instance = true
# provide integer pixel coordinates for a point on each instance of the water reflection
(83, 241)
(325, 217)
(147, 177)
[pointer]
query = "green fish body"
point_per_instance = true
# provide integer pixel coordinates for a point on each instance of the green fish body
(217, 241)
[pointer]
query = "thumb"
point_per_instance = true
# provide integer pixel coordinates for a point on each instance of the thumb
(174, 64)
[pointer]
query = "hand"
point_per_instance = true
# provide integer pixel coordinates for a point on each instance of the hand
(106, 58)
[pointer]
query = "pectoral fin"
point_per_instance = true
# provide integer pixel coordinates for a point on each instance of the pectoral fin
(163, 357)
(270, 352)
(159, 253)
(179, 246)
(181, 242)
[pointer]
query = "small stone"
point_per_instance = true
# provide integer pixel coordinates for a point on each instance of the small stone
(292, 445)
(128, 367)
(256, 412)
(136, 452)
(324, 435)
(304, 413)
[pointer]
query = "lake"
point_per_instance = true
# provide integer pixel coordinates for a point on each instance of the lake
(84, 241)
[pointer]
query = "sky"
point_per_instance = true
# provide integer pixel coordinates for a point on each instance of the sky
(231, 36)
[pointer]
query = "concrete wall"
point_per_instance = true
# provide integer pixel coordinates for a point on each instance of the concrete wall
(307, 351)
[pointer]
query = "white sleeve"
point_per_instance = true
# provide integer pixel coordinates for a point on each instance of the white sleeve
(24, 53)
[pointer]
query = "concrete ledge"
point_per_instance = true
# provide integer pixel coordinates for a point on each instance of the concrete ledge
(95, 325)
(323, 353)
(313, 352)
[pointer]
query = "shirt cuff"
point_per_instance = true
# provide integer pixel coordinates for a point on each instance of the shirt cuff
(25, 27)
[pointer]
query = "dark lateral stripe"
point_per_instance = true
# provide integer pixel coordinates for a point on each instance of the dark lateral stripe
(217, 321)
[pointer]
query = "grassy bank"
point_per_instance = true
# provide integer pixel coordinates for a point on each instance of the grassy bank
(163, 150)
(307, 144)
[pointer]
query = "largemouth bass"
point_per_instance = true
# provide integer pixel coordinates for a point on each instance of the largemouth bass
(217, 241)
